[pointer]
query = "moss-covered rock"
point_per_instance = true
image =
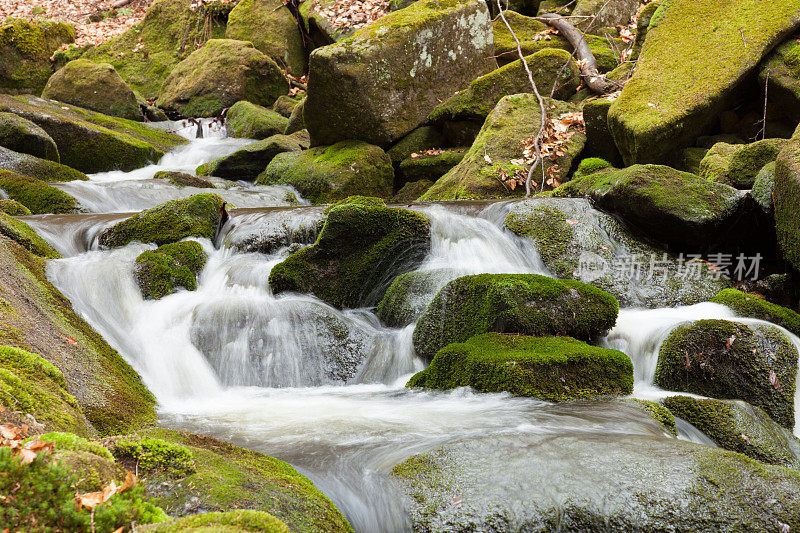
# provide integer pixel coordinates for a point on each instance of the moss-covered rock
(30, 384)
(677, 208)
(739, 164)
(763, 186)
(329, 173)
(783, 68)
(24, 136)
(786, 198)
(320, 23)
(498, 151)
(592, 15)
(678, 88)
(359, 251)
(753, 306)
(37, 195)
(384, 80)
(227, 478)
(95, 86)
(740, 427)
(228, 522)
(13, 208)
(296, 121)
(430, 167)
(23, 234)
(659, 413)
(196, 216)
(549, 368)
(526, 304)
(25, 50)
(411, 191)
(250, 121)
(37, 318)
(590, 165)
(422, 138)
(729, 360)
(409, 295)
(272, 28)
(248, 162)
(599, 142)
(92, 142)
(285, 104)
(182, 179)
(42, 169)
(161, 271)
(218, 75)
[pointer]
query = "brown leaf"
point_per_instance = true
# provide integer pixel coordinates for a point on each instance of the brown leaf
(774, 381)
(729, 342)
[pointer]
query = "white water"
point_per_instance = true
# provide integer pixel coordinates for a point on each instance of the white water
(236, 362)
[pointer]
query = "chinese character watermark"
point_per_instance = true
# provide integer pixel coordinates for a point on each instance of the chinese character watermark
(592, 266)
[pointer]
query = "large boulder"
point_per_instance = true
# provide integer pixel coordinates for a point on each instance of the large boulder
(753, 306)
(250, 121)
(410, 294)
(37, 195)
(25, 50)
(217, 76)
(677, 208)
(428, 166)
(92, 142)
(526, 304)
(548, 368)
(183, 179)
(739, 164)
(730, 360)
(21, 135)
(497, 153)
(24, 235)
(740, 427)
(763, 186)
(782, 67)
(592, 15)
(329, 173)
(43, 169)
(786, 198)
(383, 81)
(271, 27)
(248, 162)
(36, 317)
(95, 86)
(422, 138)
(161, 271)
(359, 251)
(679, 88)
(196, 216)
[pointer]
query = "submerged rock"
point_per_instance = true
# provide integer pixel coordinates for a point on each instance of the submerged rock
(382, 82)
(729, 360)
(410, 294)
(161, 271)
(42, 169)
(359, 251)
(182, 179)
(37, 195)
(526, 304)
(24, 136)
(250, 121)
(248, 162)
(548, 368)
(25, 50)
(95, 86)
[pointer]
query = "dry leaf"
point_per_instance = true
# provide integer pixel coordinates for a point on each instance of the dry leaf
(487, 158)
(729, 342)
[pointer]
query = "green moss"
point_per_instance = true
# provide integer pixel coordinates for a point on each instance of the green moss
(182, 179)
(172, 221)
(359, 251)
(329, 173)
(41, 169)
(590, 165)
(285, 104)
(22, 135)
(660, 413)
(599, 142)
(422, 138)
(430, 167)
(526, 304)
(160, 272)
(782, 67)
(14, 208)
(156, 455)
(729, 360)
(553, 369)
(37, 195)
(70, 441)
(412, 190)
(753, 306)
(250, 121)
(738, 164)
(786, 197)
(25, 50)
(250, 161)
(763, 186)
(18, 231)
(230, 522)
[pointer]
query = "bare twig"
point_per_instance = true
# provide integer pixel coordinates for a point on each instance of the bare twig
(763, 132)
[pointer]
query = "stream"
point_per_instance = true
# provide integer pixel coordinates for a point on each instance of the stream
(233, 361)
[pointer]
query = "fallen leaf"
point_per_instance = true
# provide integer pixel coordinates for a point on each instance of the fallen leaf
(729, 342)
(773, 380)
(487, 158)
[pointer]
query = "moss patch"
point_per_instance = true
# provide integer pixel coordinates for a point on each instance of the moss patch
(753, 306)
(36, 195)
(182, 179)
(20, 232)
(160, 272)
(14, 208)
(25, 50)
(24, 136)
(41, 169)
(250, 121)
(230, 522)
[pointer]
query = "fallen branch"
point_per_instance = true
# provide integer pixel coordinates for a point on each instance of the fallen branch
(586, 60)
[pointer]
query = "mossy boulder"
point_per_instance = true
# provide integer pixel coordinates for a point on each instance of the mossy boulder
(320, 23)
(753, 306)
(161, 271)
(229, 522)
(549, 368)
(676, 208)
(37, 195)
(480, 98)
(593, 15)
(13, 208)
(296, 121)
(429, 166)
(329, 173)
(740, 427)
(411, 191)
(37, 318)
(90, 141)
(678, 88)
(739, 164)
(384, 80)
(285, 104)
(590, 165)
(23, 234)
(359, 251)
(498, 151)
(409, 295)
(526, 304)
(228, 478)
(782, 67)
(25, 50)
(221, 73)
(95, 86)
(250, 121)
(763, 186)
(24, 136)
(660, 413)
(422, 138)
(729, 360)
(248, 162)
(182, 179)
(30, 384)
(271, 27)
(786, 198)
(196, 216)
(42, 169)
(599, 142)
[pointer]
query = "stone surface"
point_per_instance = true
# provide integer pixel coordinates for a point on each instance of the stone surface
(250, 121)
(786, 198)
(36, 194)
(34, 167)
(21, 135)
(248, 162)
(25, 50)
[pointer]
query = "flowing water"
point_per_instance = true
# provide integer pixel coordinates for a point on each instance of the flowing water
(234, 361)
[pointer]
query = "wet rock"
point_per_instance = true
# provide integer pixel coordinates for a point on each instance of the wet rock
(382, 82)
(329, 173)
(42, 169)
(24, 136)
(728, 360)
(248, 162)
(217, 76)
(359, 251)
(182, 179)
(95, 86)
(25, 50)
(250, 121)
(753, 306)
(526, 304)
(739, 164)
(548, 368)
(37, 195)
(23, 234)
(409, 295)
(161, 271)
(678, 89)
(269, 232)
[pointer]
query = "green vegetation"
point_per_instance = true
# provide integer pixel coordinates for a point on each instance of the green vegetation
(18, 231)
(36, 195)
(231, 521)
(21, 135)
(250, 121)
(155, 456)
(160, 272)
(41, 169)
(753, 306)
(25, 50)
